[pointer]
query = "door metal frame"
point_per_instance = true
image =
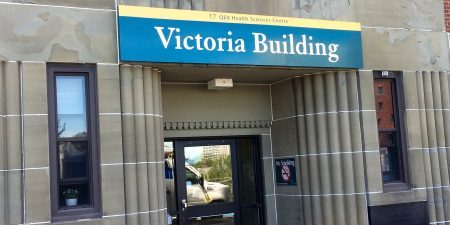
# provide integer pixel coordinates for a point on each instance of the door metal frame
(219, 208)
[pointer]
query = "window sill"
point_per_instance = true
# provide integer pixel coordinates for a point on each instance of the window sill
(75, 215)
(396, 187)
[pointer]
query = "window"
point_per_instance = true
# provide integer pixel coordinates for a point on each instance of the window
(390, 111)
(74, 164)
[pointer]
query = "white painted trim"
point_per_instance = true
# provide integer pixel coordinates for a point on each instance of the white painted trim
(429, 149)
(284, 118)
(141, 114)
(326, 195)
(35, 223)
(11, 115)
(22, 146)
(136, 213)
(427, 109)
(431, 188)
(110, 114)
(36, 168)
(322, 154)
(440, 222)
(271, 156)
(325, 113)
(108, 64)
(131, 163)
(25, 114)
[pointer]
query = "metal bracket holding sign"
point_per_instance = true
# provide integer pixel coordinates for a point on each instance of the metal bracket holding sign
(286, 172)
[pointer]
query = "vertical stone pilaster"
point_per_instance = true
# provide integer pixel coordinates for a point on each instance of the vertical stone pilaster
(143, 145)
(129, 145)
(322, 146)
(13, 143)
(333, 140)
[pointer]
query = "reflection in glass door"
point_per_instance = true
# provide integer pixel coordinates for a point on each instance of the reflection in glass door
(207, 181)
(208, 174)
(203, 180)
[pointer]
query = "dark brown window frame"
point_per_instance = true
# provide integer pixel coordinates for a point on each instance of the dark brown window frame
(399, 117)
(94, 208)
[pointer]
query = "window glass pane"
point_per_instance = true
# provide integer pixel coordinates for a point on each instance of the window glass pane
(208, 174)
(389, 156)
(384, 99)
(71, 106)
(83, 197)
(72, 159)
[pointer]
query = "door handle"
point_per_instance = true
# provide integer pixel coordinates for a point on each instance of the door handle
(183, 203)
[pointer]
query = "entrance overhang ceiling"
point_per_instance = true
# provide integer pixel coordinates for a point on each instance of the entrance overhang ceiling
(250, 75)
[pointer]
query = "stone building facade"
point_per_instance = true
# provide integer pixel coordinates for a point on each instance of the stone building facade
(325, 119)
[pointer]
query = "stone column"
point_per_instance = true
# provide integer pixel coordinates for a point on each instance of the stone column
(143, 145)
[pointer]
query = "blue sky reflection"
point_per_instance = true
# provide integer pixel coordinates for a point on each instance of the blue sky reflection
(71, 106)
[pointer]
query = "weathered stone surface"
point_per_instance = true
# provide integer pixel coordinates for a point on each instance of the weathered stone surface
(284, 138)
(411, 14)
(283, 100)
(55, 34)
(108, 81)
(286, 205)
(135, 2)
(37, 195)
(113, 198)
(268, 175)
(271, 210)
(391, 49)
(261, 7)
(97, 4)
(35, 141)
(34, 84)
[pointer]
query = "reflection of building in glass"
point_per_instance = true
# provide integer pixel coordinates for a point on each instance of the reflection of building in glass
(384, 103)
(215, 152)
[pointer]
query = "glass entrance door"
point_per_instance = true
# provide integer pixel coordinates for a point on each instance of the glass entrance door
(204, 179)
(207, 182)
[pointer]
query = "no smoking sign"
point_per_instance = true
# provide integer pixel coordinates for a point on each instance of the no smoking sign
(285, 171)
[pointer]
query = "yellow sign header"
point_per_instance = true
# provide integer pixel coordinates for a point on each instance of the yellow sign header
(219, 17)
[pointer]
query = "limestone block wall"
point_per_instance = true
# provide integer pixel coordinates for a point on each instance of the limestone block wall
(317, 120)
(24, 164)
(142, 129)
(397, 35)
(428, 121)
(329, 126)
(48, 33)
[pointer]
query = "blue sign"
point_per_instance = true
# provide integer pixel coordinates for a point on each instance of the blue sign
(165, 36)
